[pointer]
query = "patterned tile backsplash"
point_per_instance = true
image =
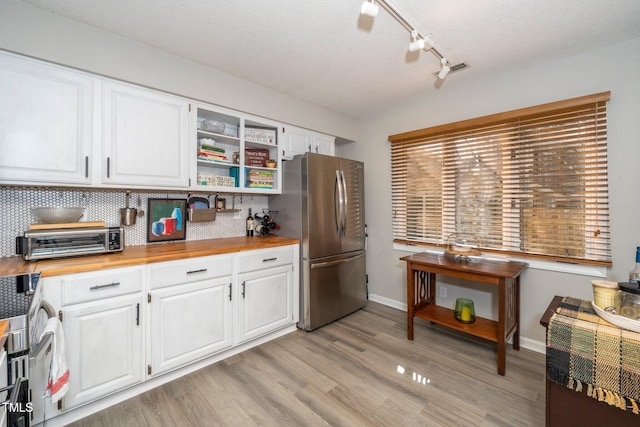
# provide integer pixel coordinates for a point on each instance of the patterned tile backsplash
(104, 205)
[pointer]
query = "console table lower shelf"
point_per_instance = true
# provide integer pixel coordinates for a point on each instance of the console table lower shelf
(421, 296)
(483, 328)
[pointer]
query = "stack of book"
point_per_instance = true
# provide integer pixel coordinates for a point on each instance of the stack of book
(208, 152)
(260, 178)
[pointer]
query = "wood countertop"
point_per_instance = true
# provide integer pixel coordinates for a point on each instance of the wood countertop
(138, 255)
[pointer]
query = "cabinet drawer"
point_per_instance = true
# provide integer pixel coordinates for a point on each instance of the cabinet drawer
(83, 287)
(185, 271)
(266, 258)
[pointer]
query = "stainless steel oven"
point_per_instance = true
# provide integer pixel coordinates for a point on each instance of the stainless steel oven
(22, 305)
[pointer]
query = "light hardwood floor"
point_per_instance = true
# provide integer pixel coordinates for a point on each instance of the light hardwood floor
(358, 371)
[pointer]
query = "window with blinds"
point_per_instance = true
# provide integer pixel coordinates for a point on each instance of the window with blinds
(531, 181)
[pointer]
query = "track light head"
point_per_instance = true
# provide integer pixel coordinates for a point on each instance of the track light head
(369, 8)
(416, 45)
(444, 69)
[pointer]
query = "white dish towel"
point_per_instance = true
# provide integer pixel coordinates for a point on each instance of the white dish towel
(58, 382)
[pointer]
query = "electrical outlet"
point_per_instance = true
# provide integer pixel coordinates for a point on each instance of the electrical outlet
(237, 215)
(443, 291)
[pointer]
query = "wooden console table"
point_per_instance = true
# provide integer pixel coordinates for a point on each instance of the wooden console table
(421, 296)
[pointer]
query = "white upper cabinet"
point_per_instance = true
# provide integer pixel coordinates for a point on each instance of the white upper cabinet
(144, 137)
(60, 126)
(300, 141)
(46, 117)
(296, 141)
(324, 144)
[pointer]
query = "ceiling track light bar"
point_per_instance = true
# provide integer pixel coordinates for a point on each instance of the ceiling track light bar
(415, 33)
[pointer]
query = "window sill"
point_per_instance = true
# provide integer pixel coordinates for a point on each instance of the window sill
(560, 267)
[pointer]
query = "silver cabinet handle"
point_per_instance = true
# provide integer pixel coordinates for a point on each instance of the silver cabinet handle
(108, 285)
(269, 259)
(108, 167)
(202, 270)
(86, 166)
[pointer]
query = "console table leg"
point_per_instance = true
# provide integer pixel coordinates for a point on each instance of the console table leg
(411, 301)
(502, 356)
(516, 335)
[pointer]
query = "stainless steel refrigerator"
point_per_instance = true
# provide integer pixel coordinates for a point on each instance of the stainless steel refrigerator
(322, 205)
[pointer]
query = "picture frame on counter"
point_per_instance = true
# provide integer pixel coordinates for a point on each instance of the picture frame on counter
(166, 220)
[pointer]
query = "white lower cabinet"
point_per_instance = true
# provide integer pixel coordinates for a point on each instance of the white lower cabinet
(189, 322)
(265, 301)
(127, 326)
(102, 315)
(104, 348)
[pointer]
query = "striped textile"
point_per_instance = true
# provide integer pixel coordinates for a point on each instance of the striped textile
(585, 351)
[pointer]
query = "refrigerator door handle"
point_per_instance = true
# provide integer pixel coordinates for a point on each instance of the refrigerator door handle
(332, 263)
(345, 204)
(340, 206)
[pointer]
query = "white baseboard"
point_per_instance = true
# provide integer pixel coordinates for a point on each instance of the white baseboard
(388, 302)
(528, 343)
(533, 345)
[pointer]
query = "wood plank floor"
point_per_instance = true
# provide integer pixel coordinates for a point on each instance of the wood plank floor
(358, 371)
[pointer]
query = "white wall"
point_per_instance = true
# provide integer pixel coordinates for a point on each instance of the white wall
(31, 31)
(614, 68)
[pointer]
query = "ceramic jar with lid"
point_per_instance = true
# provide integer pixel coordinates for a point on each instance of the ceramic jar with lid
(628, 300)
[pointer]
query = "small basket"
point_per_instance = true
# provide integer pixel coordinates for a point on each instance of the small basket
(202, 215)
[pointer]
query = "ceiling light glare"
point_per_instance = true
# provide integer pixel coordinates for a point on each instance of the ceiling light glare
(369, 8)
(444, 70)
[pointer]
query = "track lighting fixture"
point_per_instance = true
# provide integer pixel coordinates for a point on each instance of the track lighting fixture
(444, 69)
(419, 41)
(369, 8)
(430, 41)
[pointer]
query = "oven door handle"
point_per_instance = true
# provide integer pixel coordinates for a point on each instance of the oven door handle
(45, 341)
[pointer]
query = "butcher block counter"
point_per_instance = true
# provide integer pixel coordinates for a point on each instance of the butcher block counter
(137, 255)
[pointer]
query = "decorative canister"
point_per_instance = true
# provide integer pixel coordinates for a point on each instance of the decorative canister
(604, 293)
(465, 312)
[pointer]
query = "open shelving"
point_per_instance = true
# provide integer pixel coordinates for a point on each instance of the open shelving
(234, 158)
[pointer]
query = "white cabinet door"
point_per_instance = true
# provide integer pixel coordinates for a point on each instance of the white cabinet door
(145, 137)
(104, 347)
(300, 141)
(264, 301)
(296, 141)
(189, 322)
(46, 118)
(324, 144)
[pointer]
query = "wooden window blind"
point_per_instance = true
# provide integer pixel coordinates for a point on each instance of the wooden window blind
(527, 182)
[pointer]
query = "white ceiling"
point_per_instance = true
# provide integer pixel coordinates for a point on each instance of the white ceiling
(326, 53)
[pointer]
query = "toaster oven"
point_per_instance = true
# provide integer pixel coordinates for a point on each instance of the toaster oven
(66, 242)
